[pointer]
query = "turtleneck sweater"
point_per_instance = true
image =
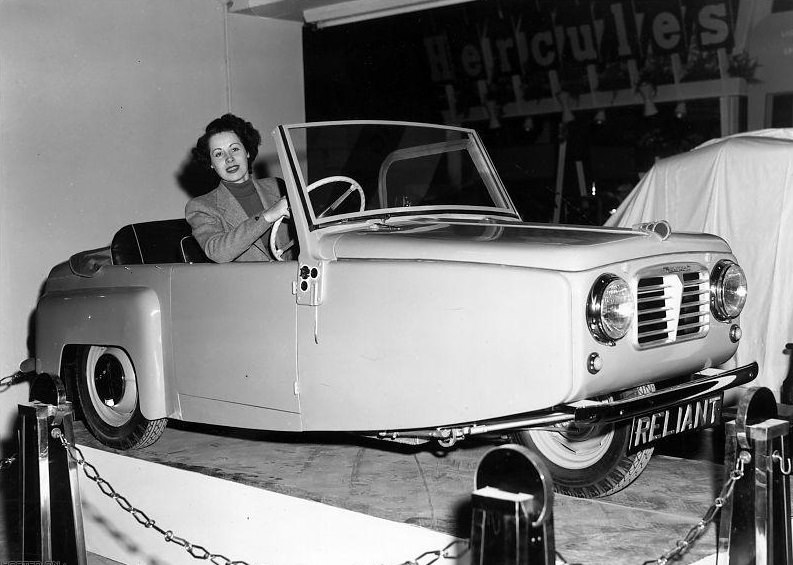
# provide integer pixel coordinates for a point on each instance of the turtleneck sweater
(249, 199)
(246, 195)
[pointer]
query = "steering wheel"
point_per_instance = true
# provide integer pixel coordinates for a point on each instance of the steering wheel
(278, 253)
(354, 186)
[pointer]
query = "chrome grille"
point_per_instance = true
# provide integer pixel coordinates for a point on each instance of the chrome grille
(672, 304)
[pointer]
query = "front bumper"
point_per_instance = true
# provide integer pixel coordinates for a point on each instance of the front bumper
(700, 385)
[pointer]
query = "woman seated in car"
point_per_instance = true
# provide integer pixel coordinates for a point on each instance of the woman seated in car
(232, 222)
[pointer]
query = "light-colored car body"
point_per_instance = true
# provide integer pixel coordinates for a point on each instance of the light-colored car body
(404, 337)
(403, 314)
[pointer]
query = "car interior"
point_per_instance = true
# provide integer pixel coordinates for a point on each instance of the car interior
(157, 242)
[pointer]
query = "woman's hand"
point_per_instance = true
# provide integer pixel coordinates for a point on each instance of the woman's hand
(278, 210)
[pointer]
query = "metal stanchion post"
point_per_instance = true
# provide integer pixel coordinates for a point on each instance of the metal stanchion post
(512, 509)
(51, 514)
(755, 522)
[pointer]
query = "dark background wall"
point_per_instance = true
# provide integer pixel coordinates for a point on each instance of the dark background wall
(403, 67)
(370, 70)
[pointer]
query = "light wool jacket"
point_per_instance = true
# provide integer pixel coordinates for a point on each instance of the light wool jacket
(223, 229)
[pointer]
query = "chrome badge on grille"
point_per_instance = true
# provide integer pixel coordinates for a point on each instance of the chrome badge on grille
(677, 268)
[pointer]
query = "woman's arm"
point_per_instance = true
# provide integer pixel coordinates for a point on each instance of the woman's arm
(219, 244)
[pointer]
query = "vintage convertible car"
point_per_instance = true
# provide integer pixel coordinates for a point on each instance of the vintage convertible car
(420, 307)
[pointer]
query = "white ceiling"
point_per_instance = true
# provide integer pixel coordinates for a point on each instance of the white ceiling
(320, 10)
(279, 9)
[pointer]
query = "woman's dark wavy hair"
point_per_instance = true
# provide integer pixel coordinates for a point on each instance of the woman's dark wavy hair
(248, 134)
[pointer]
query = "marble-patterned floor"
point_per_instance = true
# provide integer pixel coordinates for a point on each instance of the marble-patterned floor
(432, 488)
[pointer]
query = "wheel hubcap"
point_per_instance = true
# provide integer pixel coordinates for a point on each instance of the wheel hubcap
(574, 448)
(109, 380)
(112, 388)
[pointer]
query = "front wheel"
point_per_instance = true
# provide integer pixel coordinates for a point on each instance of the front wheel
(108, 390)
(588, 461)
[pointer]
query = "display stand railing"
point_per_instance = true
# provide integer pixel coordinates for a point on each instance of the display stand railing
(512, 504)
(50, 508)
(755, 521)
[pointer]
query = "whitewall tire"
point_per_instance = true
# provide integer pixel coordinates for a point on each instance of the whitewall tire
(107, 387)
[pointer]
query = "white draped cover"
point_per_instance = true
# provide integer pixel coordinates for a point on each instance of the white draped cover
(740, 188)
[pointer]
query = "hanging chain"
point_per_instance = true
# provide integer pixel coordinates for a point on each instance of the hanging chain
(10, 380)
(196, 551)
(683, 545)
(560, 559)
(7, 462)
(6, 383)
(431, 557)
(785, 465)
(784, 462)
(427, 558)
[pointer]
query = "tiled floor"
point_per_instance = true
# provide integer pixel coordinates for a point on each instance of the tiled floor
(432, 489)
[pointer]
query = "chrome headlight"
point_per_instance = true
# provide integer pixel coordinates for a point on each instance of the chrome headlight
(610, 309)
(727, 290)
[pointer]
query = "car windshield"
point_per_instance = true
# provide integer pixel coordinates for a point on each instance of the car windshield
(360, 170)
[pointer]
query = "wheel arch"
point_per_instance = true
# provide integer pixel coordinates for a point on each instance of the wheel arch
(69, 367)
(129, 318)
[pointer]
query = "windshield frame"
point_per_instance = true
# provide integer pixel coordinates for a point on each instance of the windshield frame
(503, 207)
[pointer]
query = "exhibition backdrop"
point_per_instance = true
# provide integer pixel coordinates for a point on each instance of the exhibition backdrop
(515, 70)
(512, 50)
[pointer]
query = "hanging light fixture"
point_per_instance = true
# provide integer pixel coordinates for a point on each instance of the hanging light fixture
(564, 100)
(650, 109)
(492, 113)
(600, 117)
(647, 91)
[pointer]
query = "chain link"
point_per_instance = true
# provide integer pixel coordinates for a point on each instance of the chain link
(10, 380)
(7, 462)
(198, 551)
(561, 559)
(785, 465)
(696, 532)
(429, 557)
(90, 471)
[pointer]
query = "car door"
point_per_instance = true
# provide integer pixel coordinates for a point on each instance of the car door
(233, 334)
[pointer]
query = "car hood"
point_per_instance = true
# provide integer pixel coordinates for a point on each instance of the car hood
(544, 246)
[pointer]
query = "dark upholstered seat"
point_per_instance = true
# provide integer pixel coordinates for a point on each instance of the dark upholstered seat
(191, 251)
(156, 242)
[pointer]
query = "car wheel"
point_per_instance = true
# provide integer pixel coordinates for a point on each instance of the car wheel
(108, 392)
(588, 461)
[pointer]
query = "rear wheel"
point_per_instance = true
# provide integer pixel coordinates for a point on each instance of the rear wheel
(108, 391)
(588, 461)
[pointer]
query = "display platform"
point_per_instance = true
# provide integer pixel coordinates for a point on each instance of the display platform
(240, 522)
(389, 487)
(422, 487)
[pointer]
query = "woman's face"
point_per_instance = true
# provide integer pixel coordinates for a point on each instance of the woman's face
(228, 156)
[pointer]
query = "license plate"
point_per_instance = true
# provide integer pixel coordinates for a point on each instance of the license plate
(697, 414)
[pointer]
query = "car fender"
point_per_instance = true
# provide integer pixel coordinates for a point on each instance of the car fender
(129, 318)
